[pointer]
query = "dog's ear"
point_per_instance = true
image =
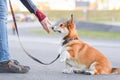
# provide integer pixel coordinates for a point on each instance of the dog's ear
(72, 20)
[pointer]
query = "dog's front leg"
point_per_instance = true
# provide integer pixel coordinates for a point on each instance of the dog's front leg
(64, 54)
(68, 68)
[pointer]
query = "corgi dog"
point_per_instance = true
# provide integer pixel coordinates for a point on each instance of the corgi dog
(80, 57)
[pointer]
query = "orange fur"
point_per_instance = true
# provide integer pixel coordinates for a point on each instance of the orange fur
(83, 54)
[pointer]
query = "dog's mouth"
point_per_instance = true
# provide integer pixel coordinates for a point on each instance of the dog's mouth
(59, 31)
(56, 30)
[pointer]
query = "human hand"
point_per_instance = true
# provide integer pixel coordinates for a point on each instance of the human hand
(43, 20)
(46, 23)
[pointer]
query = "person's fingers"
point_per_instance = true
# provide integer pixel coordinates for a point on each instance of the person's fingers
(45, 24)
(49, 22)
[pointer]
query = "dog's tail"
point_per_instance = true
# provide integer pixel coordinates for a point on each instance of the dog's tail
(115, 71)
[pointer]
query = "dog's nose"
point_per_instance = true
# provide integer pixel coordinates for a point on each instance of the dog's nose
(52, 28)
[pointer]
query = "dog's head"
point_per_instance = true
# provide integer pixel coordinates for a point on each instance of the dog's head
(65, 27)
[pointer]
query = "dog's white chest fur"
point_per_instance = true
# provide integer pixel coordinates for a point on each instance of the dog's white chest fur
(70, 63)
(64, 54)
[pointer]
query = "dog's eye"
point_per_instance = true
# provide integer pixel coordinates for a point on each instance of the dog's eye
(61, 25)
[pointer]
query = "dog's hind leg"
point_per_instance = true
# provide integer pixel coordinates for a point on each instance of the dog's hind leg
(91, 70)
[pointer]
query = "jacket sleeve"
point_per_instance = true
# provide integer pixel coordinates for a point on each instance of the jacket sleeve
(29, 5)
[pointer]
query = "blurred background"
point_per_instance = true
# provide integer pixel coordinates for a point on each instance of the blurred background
(91, 10)
(90, 15)
(97, 23)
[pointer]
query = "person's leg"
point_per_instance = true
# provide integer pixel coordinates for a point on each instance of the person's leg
(6, 63)
(4, 50)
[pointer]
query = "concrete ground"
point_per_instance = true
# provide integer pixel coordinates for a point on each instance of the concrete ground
(46, 49)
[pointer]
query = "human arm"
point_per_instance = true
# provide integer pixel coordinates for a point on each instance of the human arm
(39, 14)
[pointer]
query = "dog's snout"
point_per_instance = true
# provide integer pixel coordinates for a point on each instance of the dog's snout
(52, 28)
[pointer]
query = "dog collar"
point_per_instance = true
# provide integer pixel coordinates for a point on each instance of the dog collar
(67, 41)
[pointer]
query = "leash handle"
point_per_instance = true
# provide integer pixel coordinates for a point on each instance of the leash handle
(16, 28)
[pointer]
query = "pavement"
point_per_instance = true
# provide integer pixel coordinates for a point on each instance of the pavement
(46, 49)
